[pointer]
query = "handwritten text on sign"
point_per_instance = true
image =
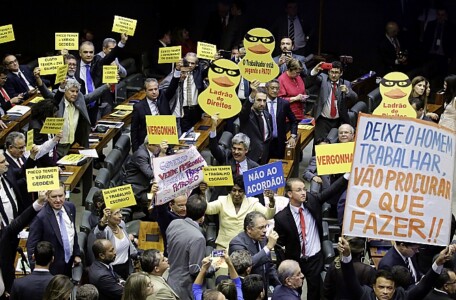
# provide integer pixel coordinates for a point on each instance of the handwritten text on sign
(6, 33)
(48, 65)
(169, 54)
(124, 25)
(218, 176)
(401, 181)
(267, 177)
(42, 179)
(119, 197)
(68, 41)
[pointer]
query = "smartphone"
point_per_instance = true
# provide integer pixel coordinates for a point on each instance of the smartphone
(326, 66)
(287, 53)
(218, 253)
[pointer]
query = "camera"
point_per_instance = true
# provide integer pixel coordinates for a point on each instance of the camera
(218, 253)
(345, 59)
(287, 53)
(185, 63)
(326, 66)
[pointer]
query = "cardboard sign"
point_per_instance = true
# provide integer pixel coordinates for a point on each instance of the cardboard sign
(221, 96)
(124, 25)
(52, 125)
(110, 74)
(66, 40)
(266, 177)
(29, 145)
(42, 179)
(162, 128)
(119, 197)
(334, 158)
(258, 63)
(49, 64)
(401, 181)
(6, 34)
(206, 50)
(61, 74)
(169, 54)
(218, 176)
(178, 174)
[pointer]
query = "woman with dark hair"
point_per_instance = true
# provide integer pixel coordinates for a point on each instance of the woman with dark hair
(138, 287)
(293, 89)
(448, 117)
(59, 288)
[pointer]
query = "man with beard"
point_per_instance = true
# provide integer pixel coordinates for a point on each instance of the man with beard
(444, 287)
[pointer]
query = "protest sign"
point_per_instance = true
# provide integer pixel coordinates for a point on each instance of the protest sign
(119, 197)
(52, 125)
(206, 50)
(124, 25)
(6, 33)
(401, 181)
(162, 128)
(42, 179)
(169, 54)
(61, 74)
(266, 177)
(109, 74)
(334, 158)
(49, 64)
(29, 140)
(66, 40)
(177, 174)
(218, 176)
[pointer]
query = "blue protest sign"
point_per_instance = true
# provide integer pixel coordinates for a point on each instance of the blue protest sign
(267, 177)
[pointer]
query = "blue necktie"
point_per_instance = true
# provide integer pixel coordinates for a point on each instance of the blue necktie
(274, 120)
(64, 234)
(89, 80)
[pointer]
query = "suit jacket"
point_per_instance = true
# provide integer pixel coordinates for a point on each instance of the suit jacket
(107, 285)
(250, 125)
(162, 291)
(283, 67)
(31, 287)
(186, 250)
(286, 227)
(311, 171)
(388, 55)
(285, 293)
(16, 179)
(283, 113)
(232, 222)
(280, 28)
(139, 172)
(142, 109)
(261, 262)
(11, 177)
(157, 70)
(325, 90)
(39, 139)
(393, 258)
(5, 104)
(437, 295)
(14, 85)
(45, 228)
(415, 292)
(164, 217)
(447, 41)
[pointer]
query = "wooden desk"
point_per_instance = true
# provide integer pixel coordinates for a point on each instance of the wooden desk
(435, 108)
(84, 172)
(105, 139)
(304, 138)
(12, 125)
(203, 140)
(126, 119)
(287, 168)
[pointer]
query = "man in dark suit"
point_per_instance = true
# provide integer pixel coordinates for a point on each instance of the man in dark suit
(56, 223)
(287, 45)
(21, 81)
(32, 287)
(256, 123)
(155, 103)
(6, 101)
(391, 50)
(402, 254)
(253, 239)
(299, 226)
(444, 287)
(384, 286)
(101, 273)
(284, 120)
(330, 110)
(152, 68)
(291, 279)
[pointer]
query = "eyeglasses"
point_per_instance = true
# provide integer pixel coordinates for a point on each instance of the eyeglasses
(451, 282)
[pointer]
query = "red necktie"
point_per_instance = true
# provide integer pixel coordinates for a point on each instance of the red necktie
(333, 101)
(4, 94)
(303, 230)
(238, 168)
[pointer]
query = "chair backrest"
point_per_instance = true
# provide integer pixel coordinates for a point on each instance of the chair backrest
(103, 178)
(113, 161)
(373, 100)
(89, 199)
(225, 139)
(123, 144)
(129, 65)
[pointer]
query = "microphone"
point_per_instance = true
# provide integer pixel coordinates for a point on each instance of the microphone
(21, 252)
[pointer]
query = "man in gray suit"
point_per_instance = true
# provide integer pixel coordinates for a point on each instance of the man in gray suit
(186, 247)
(253, 239)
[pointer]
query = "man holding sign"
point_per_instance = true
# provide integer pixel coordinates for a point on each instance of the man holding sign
(20, 79)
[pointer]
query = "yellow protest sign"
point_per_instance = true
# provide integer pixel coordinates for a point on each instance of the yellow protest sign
(221, 97)
(42, 179)
(258, 62)
(395, 88)
(52, 125)
(124, 25)
(49, 64)
(29, 145)
(124, 107)
(334, 158)
(206, 50)
(119, 197)
(61, 74)
(6, 34)
(169, 54)
(66, 40)
(218, 176)
(162, 128)
(109, 74)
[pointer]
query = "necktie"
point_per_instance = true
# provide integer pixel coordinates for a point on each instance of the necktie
(71, 128)
(303, 230)
(438, 36)
(274, 120)
(19, 161)
(263, 122)
(89, 80)
(22, 80)
(64, 234)
(189, 89)
(111, 270)
(4, 94)
(291, 28)
(333, 112)
(396, 45)
(238, 168)
(409, 267)
(10, 198)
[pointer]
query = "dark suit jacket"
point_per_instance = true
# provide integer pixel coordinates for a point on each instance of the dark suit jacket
(11, 177)
(17, 179)
(164, 217)
(447, 40)
(393, 258)
(46, 228)
(280, 29)
(39, 139)
(286, 227)
(250, 125)
(31, 287)
(108, 286)
(5, 105)
(284, 112)
(157, 70)
(416, 292)
(311, 171)
(261, 262)
(142, 109)
(436, 295)
(139, 172)
(14, 86)
(284, 293)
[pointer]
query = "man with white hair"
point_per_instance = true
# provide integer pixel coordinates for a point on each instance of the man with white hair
(291, 279)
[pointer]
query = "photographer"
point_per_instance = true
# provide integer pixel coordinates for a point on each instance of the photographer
(392, 52)
(287, 45)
